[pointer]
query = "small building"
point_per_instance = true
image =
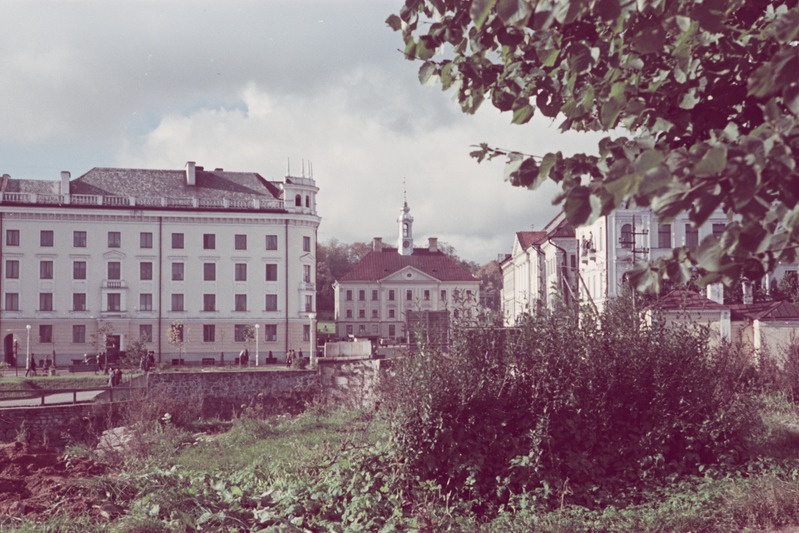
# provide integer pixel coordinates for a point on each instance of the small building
(771, 326)
(391, 285)
(690, 307)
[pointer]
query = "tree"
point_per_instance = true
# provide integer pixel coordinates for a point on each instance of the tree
(706, 89)
(333, 260)
(175, 335)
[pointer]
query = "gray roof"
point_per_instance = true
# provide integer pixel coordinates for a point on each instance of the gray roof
(172, 183)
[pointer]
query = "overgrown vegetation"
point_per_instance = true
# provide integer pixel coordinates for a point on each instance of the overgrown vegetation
(565, 423)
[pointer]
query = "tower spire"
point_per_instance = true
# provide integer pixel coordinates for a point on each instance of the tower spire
(405, 221)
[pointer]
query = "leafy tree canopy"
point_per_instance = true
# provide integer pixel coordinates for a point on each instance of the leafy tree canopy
(707, 91)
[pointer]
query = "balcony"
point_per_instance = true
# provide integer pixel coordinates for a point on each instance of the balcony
(154, 202)
(114, 284)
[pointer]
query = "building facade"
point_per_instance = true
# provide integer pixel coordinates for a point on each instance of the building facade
(116, 255)
(392, 285)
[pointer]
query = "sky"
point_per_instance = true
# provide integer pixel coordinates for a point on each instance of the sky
(267, 86)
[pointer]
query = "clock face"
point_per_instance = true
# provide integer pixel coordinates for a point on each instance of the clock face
(405, 244)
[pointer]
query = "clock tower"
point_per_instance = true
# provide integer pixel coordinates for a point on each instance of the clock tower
(405, 239)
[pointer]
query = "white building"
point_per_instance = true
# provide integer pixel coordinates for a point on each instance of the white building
(541, 269)
(129, 252)
(374, 300)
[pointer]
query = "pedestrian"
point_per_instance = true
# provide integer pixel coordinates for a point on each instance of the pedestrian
(31, 370)
(288, 359)
(246, 357)
(118, 376)
(111, 378)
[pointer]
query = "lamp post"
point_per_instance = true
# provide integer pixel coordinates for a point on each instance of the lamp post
(257, 359)
(312, 338)
(28, 349)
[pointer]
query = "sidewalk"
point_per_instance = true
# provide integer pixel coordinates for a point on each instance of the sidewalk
(59, 398)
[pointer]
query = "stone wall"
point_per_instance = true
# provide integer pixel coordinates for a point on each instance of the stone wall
(341, 381)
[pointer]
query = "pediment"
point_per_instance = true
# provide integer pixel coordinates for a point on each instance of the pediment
(113, 254)
(408, 274)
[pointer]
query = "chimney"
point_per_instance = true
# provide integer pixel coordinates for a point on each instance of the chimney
(747, 292)
(4, 184)
(191, 174)
(715, 292)
(377, 244)
(432, 244)
(65, 175)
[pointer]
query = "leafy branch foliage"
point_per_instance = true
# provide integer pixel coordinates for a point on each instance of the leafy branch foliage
(707, 90)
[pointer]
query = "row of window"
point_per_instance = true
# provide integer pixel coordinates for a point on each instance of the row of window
(241, 332)
(114, 270)
(80, 240)
(408, 295)
(177, 300)
(627, 238)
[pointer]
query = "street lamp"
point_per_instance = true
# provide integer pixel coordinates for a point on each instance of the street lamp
(257, 362)
(312, 338)
(28, 350)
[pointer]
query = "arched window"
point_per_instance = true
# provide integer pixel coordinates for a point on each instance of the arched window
(626, 239)
(307, 201)
(298, 201)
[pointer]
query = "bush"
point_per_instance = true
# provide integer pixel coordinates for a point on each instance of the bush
(568, 406)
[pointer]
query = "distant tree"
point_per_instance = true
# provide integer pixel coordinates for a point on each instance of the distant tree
(490, 278)
(787, 288)
(707, 90)
(176, 336)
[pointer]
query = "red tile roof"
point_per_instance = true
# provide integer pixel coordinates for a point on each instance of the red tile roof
(529, 238)
(378, 265)
(680, 299)
(765, 311)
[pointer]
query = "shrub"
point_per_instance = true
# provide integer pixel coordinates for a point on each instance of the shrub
(568, 405)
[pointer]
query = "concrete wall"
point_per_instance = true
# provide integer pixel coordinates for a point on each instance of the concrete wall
(56, 425)
(351, 382)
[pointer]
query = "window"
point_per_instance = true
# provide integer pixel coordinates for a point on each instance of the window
(78, 301)
(718, 230)
(145, 301)
(145, 239)
(271, 272)
(308, 303)
(209, 333)
(443, 296)
(374, 295)
(240, 301)
(209, 302)
(12, 301)
(626, 240)
(664, 235)
(349, 313)
(46, 237)
(361, 313)
(177, 302)
(691, 236)
(240, 242)
(270, 332)
(114, 302)
(45, 301)
(271, 302)
(177, 241)
(209, 241)
(392, 330)
(426, 294)
(145, 270)
(361, 295)
(271, 242)
(79, 270)
(409, 294)
(349, 330)
(298, 201)
(391, 313)
(177, 271)
(78, 334)
(12, 237)
(306, 244)
(469, 293)
(241, 271)
(114, 239)
(349, 295)
(12, 269)
(146, 332)
(374, 313)
(209, 271)
(79, 239)
(45, 270)
(45, 333)
(307, 201)
(306, 332)
(114, 270)
(239, 332)
(391, 294)
(306, 273)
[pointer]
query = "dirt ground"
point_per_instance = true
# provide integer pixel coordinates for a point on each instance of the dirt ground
(36, 483)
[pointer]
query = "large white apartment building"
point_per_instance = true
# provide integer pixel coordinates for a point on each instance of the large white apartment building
(391, 286)
(92, 263)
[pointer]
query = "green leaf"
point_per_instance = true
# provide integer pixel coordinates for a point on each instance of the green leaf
(426, 72)
(514, 12)
(479, 11)
(394, 22)
(608, 9)
(709, 254)
(578, 205)
(713, 162)
(609, 113)
(523, 114)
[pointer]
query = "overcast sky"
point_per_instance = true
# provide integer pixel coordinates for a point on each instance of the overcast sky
(252, 85)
